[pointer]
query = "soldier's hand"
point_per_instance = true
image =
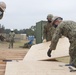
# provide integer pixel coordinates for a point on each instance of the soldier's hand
(49, 52)
(44, 40)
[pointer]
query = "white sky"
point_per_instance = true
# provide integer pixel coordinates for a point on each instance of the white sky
(22, 14)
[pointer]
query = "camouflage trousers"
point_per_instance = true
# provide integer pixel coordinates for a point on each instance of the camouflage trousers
(26, 45)
(48, 38)
(11, 43)
(72, 52)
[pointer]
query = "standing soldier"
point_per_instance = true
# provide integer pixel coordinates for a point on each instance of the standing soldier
(2, 9)
(11, 38)
(47, 27)
(67, 29)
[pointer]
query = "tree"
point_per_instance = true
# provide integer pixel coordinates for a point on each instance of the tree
(7, 31)
(16, 31)
(31, 31)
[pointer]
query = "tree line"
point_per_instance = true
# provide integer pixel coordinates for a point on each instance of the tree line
(29, 31)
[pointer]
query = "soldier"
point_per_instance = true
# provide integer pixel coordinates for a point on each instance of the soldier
(47, 27)
(55, 22)
(2, 9)
(68, 29)
(11, 38)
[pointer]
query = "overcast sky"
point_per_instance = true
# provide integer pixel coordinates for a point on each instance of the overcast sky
(22, 14)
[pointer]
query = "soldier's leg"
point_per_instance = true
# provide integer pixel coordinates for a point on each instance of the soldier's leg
(25, 45)
(11, 44)
(71, 49)
(72, 53)
(74, 57)
(71, 56)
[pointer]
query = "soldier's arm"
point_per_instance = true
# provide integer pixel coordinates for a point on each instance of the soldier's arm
(14, 34)
(55, 38)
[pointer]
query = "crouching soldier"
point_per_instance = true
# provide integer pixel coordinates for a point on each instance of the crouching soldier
(67, 29)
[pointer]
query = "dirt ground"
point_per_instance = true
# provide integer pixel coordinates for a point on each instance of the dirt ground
(4, 46)
(13, 53)
(16, 53)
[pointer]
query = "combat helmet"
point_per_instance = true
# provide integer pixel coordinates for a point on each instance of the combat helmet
(2, 6)
(56, 18)
(49, 16)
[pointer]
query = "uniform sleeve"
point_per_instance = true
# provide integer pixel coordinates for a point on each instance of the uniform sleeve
(55, 38)
(13, 34)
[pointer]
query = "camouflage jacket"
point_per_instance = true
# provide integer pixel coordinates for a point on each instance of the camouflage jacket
(11, 35)
(65, 28)
(52, 30)
(46, 32)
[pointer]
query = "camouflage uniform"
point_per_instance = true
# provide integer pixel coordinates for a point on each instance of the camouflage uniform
(52, 30)
(46, 32)
(67, 29)
(11, 39)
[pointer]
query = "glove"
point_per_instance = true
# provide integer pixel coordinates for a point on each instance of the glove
(49, 53)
